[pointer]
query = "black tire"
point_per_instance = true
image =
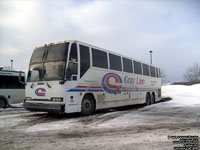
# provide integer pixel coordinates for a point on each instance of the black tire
(3, 103)
(153, 98)
(87, 105)
(148, 99)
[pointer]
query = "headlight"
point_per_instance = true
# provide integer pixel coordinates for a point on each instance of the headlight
(57, 99)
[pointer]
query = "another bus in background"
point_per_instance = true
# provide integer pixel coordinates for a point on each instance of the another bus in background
(12, 88)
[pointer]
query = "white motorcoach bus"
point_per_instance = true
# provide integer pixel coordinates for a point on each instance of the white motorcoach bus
(12, 89)
(71, 76)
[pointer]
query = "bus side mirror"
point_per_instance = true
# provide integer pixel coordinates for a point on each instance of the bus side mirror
(20, 78)
(74, 77)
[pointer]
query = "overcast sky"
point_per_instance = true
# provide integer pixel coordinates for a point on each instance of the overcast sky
(170, 28)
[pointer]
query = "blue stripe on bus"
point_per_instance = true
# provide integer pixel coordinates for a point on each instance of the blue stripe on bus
(76, 90)
(84, 90)
(93, 90)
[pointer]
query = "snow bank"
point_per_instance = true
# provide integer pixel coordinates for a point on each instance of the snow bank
(182, 95)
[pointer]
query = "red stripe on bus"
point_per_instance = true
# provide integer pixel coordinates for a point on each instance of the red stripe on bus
(99, 87)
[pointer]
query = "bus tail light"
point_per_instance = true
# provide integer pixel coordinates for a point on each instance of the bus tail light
(57, 99)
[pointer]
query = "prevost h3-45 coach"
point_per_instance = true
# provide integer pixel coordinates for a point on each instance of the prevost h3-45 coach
(72, 76)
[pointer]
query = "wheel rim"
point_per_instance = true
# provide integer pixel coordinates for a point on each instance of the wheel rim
(2, 103)
(153, 99)
(86, 106)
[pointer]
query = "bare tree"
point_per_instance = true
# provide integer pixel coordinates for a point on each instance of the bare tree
(192, 74)
(163, 76)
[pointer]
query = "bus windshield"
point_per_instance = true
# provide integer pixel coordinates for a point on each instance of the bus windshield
(48, 63)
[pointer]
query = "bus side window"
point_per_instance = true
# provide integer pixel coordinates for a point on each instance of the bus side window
(2, 82)
(99, 58)
(137, 67)
(145, 69)
(11, 82)
(84, 59)
(153, 71)
(156, 73)
(115, 62)
(73, 53)
(72, 68)
(127, 65)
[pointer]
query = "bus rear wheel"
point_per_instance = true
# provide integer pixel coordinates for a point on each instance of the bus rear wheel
(2, 103)
(148, 99)
(87, 105)
(153, 98)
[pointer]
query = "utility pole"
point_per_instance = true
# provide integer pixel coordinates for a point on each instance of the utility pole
(11, 61)
(151, 56)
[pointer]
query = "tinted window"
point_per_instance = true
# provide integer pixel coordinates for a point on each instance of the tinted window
(127, 65)
(152, 70)
(73, 53)
(54, 70)
(115, 62)
(11, 82)
(2, 82)
(137, 67)
(84, 59)
(57, 52)
(145, 69)
(99, 58)
(35, 72)
(156, 72)
(72, 68)
(38, 55)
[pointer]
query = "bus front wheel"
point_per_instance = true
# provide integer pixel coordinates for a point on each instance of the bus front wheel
(2, 103)
(148, 99)
(87, 105)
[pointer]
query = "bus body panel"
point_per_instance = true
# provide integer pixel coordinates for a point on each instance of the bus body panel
(104, 99)
(13, 96)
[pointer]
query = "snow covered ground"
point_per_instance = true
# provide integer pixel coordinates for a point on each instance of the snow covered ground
(136, 128)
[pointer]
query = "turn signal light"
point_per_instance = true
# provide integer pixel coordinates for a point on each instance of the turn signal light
(57, 99)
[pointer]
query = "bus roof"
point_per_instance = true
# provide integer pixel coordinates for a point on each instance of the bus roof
(11, 73)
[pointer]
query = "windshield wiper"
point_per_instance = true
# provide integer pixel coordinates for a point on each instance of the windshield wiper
(48, 84)
(45, 80)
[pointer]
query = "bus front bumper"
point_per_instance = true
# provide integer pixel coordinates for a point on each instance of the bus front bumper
(44, 107)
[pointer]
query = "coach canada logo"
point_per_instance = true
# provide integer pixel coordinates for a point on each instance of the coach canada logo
(111, 83)
(40, 92)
